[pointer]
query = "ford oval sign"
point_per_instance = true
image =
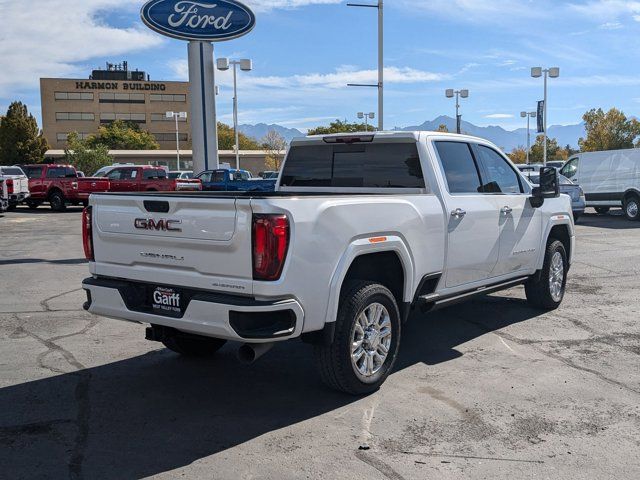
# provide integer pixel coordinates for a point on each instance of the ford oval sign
(206, 21)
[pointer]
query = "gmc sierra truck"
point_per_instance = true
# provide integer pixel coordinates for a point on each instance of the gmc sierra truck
(361, 230)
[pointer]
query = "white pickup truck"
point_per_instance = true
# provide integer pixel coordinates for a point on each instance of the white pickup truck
(362, 228)
(14, 187)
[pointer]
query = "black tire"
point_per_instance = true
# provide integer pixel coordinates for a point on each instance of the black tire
(193, 345)
(32, 204)
(538, 288)
(631, 207)
(11, 207)
(57, 202)
(576, 217)
(602, 210)
(334, 361)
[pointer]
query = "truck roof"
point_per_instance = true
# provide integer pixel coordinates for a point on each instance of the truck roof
(411, 135)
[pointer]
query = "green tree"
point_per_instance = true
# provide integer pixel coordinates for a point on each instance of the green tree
(518, 155)
(537, 150)
(86, 158)
(21, 140)
(608, 131)
(226, 139)
(274, 144)
(340, 126)
(120, 135)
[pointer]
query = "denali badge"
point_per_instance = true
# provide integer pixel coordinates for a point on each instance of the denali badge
(158, 225)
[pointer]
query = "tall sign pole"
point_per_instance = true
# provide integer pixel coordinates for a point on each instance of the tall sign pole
(200, 24)
(204, 131)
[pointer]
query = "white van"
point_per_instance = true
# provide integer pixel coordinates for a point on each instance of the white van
(609, 179)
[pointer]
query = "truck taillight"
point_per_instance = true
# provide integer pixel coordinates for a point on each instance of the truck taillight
(270, 245)
(87, 233)
(9, 186)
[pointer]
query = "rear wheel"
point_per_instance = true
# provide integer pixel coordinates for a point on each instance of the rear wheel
(632, 207)
(32, 204)
(57, 202)
(193, 345)
(602, 210)
(546, 288)
(366, 340)
(576, 216)
(11, 207)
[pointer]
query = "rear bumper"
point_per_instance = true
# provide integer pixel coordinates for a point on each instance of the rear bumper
(209, 314)
(18, 197)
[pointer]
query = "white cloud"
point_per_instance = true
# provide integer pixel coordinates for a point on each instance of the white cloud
(50, 37)
(611, 26)
(477, 10)
(337, 79)
(610, 10)
(266, 5)
(499, 115)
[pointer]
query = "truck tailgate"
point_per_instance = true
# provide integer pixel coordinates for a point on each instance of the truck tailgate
(93, 184)
(174, 239)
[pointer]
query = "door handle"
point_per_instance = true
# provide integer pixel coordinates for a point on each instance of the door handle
(506, 210)
(458, 213)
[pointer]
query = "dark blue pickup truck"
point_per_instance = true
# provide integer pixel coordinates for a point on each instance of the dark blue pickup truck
(232, 180)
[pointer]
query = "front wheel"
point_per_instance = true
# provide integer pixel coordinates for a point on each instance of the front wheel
(366, 340)
(57, 202)
(632, 208)
(602, 210)
(546, 288)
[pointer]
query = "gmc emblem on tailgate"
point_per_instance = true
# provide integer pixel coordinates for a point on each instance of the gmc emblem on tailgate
(157, 225)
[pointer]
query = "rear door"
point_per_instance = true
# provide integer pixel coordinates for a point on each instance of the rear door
(123, 179)
(472, 217)
(520, 224)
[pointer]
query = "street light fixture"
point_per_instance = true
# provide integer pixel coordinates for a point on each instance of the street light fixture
(529, 116)
(177, 116)
(380, 84)
(366, 116)
(450, 93)
(537, 72)
(246, 66)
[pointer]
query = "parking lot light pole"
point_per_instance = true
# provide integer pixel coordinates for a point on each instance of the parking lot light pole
(450, 93)
(529, 116)
(366, 116)
(537, 72)
(177, 116)
(246, 66)
(380, 84)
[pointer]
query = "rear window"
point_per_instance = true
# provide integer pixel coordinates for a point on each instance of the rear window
(11, 171)
(152, 174)
(372, 165)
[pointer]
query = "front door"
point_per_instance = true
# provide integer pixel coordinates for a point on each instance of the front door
(472, 217)
(520, 223)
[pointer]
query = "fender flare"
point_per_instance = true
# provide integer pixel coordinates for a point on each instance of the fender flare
(364, 246)
(556, 220)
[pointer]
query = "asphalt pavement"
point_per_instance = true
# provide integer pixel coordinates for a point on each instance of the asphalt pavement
(488, 389)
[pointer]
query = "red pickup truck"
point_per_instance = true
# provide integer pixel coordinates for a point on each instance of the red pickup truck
(148, 178)
(60, 185)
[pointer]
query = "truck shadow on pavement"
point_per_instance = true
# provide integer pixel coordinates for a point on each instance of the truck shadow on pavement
(613, 220)
(156, 412)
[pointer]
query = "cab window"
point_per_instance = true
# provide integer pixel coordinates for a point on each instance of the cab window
(117, 174)
(459, 167)
(570, 169)
(498, 176)
(56, 172)
(218, 177)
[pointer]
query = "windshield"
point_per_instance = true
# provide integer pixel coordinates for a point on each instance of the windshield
(174, 175)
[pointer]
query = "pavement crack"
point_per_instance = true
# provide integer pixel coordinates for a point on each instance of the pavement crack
(472, 457)
(45, 303)
(81, 394)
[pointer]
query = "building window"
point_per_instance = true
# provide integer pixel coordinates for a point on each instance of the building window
(62, 137)
(77, 116)
(126, 117)
(122, 98)
(156, 97)
(162, 117)
(170, 137)
(74, 96)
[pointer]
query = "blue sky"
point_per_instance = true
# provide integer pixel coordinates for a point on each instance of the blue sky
(305, 51)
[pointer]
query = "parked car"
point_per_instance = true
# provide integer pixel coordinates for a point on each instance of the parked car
(105, 170)
(232, 180)
(147, 178)
(15, 186)
(60, 185)
(360, 230)
(578, 201)
(609, 179)
(182, 174)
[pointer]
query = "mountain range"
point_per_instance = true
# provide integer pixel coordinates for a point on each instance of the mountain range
(507, 140)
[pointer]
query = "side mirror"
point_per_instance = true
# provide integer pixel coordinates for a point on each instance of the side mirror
(549, 187)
